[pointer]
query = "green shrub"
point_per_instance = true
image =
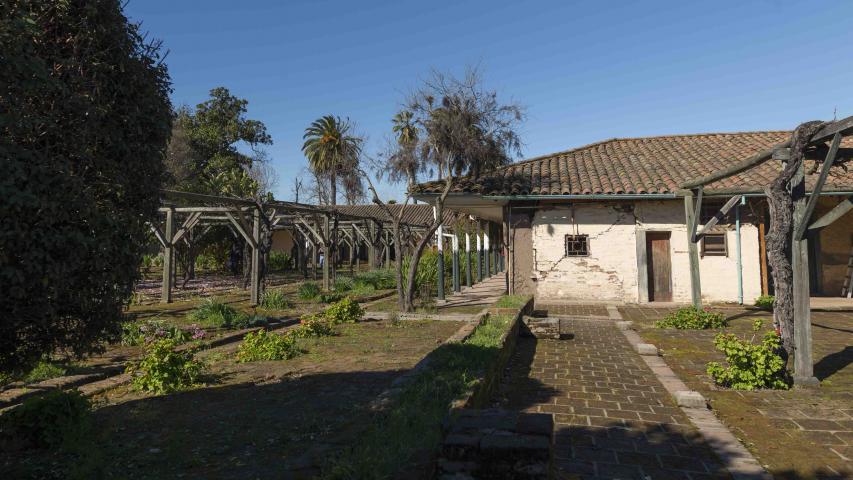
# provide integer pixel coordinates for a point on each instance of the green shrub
(264, 345)
(331, 297)
(140, 333)
(765, 302)
(214, 313)
(51, 420)
(44, 370)
(692, 318)
(378, 279)
(426, 278)
(308, 291)
(164, 369)
(275, 300)
(313, 326)
(207, 261)
(279, 261)
(149, 261)
(345, 311)
(751, 365)
(360, 289)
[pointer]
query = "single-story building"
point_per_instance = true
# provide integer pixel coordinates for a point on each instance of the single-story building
(607, 221)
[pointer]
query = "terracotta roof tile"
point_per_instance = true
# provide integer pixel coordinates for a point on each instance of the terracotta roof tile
(646, 165)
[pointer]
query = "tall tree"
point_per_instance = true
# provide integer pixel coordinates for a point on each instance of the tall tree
(84, 120)
(403, 159)
(331, 149)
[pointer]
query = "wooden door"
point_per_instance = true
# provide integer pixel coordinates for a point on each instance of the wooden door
(659, 266)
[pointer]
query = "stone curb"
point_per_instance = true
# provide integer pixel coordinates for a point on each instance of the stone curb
(735, 457)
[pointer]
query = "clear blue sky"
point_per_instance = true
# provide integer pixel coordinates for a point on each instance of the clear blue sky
(586, 71)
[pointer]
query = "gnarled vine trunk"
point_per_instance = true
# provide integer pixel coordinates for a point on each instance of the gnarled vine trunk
(781, 208)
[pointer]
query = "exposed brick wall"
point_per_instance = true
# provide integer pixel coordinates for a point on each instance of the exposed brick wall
(610, 272)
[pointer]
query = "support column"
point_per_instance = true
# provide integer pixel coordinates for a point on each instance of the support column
(479, 255)
(327, 285)
(468, 272)
(388, 251)
(439, 233)
(487, 270)
(692, 251)
(803, 361)
(456, 282)
(168, 257)
(256, 259)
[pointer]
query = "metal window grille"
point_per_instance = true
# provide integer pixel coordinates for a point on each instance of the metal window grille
(715, 245)
(577, 245)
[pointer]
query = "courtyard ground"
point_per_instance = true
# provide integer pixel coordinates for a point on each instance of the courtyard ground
(798, 433)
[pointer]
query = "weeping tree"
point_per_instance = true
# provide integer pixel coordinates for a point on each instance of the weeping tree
(459, 128)
(84, 121)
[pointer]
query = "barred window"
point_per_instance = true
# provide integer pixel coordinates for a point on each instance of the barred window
(714, 244)
(577, 245)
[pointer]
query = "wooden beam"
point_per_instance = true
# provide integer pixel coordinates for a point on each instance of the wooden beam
(696, 213)
(157, 233)
(241, 230)
(824, 172)
(256, 259)
(717, 217)
(803, 361)
(837, 212)
(168, 259)
(188, 225)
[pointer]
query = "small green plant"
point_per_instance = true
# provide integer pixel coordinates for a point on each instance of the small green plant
(378, 279)
(330, 297)
(51, 420)
(512, 301)
(343, 284)
(207, 261)
(164, 369)
(264, 345)
(313, 326)
(308, 291)
(344, 311)
(44, 370)
(143, 332)
(692, 318)
(765, 302)
(279, 261)
(275, 300)
(750, 365)
(215, 313)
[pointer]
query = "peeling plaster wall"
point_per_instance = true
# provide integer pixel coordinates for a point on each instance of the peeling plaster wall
(610, 272)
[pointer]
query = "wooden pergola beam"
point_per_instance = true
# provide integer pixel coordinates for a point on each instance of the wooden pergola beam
(800, 229)
(837, 212)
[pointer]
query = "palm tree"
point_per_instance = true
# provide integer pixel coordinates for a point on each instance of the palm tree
(404, 161)
(331, 148)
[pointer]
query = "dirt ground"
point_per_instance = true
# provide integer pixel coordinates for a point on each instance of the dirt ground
(798, 433)
(278, 419)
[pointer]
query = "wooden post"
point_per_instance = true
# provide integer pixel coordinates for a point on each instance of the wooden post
(692, 251)
(256, 259)
(439, 234)
(487, 270)
(388, 243)
(168, 257)
(371, 246)
(326, 248)
(456, 282)
(468, 272)
(803, 362)
(479, 255)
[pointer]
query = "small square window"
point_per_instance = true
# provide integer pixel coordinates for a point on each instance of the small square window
(577, 245)
(714, 245)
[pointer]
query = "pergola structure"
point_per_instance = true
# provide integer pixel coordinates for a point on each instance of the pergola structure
(805, 201)
(187, 217)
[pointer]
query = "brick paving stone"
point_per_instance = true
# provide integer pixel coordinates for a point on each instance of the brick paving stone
(623, 423)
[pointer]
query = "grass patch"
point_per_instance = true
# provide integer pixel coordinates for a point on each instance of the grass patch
(512, 301)
(275, 300)
(692, 318)
(413, 422)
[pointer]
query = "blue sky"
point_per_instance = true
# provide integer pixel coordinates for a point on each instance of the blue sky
(586, 71)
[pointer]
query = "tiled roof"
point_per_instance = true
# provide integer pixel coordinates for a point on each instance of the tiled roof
(650, 165)
(415, 215)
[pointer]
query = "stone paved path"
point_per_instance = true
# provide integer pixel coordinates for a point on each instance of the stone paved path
(482, 294)
(613, 418)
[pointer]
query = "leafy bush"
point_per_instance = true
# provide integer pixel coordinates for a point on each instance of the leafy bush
(279, 261)
(275, 300)
(141, 333)
(249, 321)
(85, 121)
(345, 311)
(207, 261)
(214, 313)
(692, 318)
(308, 291)
(426, 278)
(149, 261)
(331, 297)
(163, 369)
(264, 345)
(751, 365)
(765, 302)
(50, 420)
(313, 326)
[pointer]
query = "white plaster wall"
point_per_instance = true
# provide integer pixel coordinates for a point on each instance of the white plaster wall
(610, 273)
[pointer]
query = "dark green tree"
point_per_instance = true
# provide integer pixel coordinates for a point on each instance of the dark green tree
(84, 121)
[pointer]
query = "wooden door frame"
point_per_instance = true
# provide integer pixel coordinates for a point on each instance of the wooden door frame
(643, 263)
